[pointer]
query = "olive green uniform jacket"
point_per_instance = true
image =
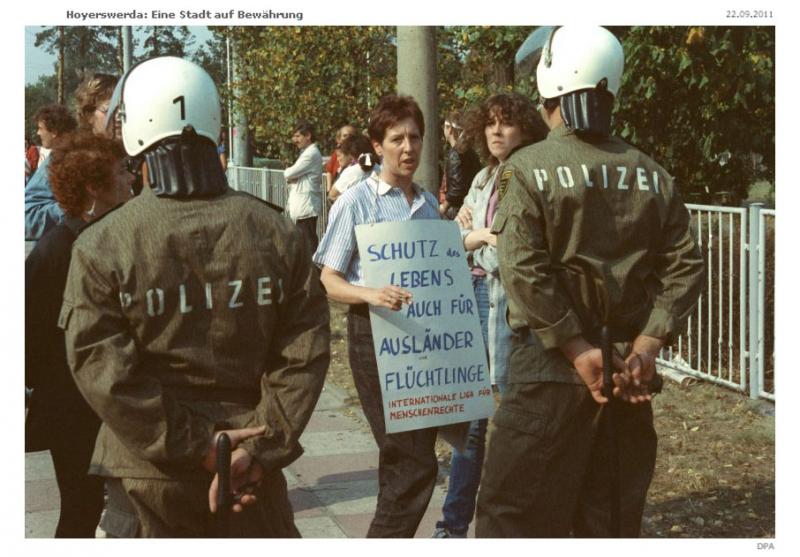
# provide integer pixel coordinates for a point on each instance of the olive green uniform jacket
(590, 232)
(183, 317)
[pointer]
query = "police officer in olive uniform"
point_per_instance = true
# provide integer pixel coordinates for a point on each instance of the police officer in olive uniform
(591, 232)
(192, 310)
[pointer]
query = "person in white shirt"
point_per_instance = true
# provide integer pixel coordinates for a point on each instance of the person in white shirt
(304, 180)
(357, 161)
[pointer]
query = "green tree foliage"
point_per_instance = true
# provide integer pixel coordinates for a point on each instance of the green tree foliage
(212, 56)
(701, 101)
(88, 49)
(37, 95)
(476, 62)
(327, 75)
(174, 40)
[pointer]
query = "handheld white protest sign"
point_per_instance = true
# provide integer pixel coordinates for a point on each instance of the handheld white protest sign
(431, 354)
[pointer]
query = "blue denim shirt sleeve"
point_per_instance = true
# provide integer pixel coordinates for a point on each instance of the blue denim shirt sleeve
(486, 257)
(41, 210)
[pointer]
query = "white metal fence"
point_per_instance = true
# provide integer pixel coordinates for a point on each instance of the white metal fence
(729, 338)
(765, 333)
(270, 185)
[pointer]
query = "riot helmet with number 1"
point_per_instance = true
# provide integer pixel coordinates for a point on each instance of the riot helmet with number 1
(169, 113)
(159, 97)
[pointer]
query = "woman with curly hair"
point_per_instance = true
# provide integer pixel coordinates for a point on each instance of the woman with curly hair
(89, 177)
(497, 127)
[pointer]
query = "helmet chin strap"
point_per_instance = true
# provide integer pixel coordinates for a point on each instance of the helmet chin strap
(588, 112)
(185, 167)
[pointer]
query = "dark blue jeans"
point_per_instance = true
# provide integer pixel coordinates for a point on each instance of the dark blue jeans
(466, 465)
(465, 475)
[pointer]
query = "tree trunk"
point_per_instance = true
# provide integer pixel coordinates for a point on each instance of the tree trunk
(416, 76)
(61, 40)
(503, 74)
(120, 52)
(83, 47)
(155, 41)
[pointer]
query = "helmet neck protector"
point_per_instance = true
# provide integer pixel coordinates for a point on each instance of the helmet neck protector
(185, 167)
(588, 112)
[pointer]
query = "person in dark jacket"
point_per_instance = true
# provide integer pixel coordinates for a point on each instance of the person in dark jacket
(88, 177)
(591, 232)
(461, 166)
(191, 311)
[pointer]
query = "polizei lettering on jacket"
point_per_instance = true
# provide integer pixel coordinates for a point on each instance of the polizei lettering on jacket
(231, 294)
(605, 177)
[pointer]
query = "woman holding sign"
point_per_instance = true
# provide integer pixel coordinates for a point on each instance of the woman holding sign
(407, 466)
(498, 126)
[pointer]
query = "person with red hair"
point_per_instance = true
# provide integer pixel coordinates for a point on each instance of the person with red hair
(89, 176)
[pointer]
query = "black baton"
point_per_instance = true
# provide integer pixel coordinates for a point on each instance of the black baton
(613, 433)
(224, 496)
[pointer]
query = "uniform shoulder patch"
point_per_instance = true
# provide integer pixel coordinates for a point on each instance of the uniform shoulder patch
(502, 185)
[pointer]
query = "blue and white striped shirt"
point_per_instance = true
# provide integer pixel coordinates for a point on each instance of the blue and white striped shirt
(370, 201)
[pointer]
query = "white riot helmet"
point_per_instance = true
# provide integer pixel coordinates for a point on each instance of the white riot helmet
(579, 57)
(581, 67)
(159, 98)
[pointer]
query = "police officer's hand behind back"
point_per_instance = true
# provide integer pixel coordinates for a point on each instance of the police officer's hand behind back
(246, 472)
(236, 437)
(631, 389)
(642, 365)
(588, 362)
(589, 365)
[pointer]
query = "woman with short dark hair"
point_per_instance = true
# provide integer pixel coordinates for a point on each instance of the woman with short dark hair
(89, 177)
(407, 466)
(55, 119)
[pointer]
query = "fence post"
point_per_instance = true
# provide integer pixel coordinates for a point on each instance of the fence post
(752, 296)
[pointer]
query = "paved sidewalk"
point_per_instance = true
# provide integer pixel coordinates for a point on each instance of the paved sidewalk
(333, 487)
